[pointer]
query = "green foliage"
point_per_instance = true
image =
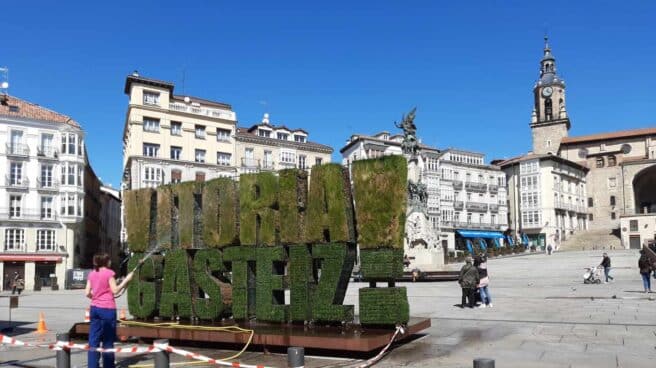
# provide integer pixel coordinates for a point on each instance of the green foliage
(240, 261)
(382, 264)
(220, 213)
(206, 262)
(143, 290)
(271, 284)
(292, 199)
(380, 201)
(330, 206)
(137, 215)
(301, 283)
(164, 229)
(336, 266)
(184, 200)
(384, 306)
(258, 198)
(176, 292)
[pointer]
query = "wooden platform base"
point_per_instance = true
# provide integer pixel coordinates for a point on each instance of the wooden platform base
(352, 338)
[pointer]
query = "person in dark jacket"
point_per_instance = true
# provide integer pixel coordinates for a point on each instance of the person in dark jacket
(605, 263)
(468, 281)
(480, 262)
(644, 264)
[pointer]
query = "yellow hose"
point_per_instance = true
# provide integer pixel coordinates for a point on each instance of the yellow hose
(176, 325)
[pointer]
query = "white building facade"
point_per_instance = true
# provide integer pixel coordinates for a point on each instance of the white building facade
(42, 163)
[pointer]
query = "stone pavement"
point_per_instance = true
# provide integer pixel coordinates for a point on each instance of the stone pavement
(543, 316)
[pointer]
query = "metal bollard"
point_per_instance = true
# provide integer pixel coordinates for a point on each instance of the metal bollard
(161, 358)
(295, 357)
(483, 363)
(63, 356)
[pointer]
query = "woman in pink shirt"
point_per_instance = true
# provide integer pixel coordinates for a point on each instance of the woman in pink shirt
(101, 288)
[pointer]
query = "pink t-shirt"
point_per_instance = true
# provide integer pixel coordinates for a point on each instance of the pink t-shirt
(102, 296)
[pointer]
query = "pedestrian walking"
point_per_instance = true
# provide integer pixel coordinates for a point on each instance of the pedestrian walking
(19, 285)
(468, 281)
(484, 281)
(644, 264)
(101, 289)
(14, 283)
(605, 263)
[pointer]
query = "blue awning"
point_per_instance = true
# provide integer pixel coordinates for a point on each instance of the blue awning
(525, 238)
(510, 240)
(496, 243)
(482, 243)
(479, 234)
(470, 248)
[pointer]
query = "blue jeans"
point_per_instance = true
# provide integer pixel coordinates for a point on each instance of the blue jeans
(486, 298)
(103, 328)
(607, 273)
(646, 281)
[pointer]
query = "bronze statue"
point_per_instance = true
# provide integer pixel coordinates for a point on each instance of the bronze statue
(409, 144)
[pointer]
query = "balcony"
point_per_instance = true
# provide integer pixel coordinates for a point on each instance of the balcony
(475, 187)
(18, 150)
(250, 162)
(502, 202)
(27, 215)
(493, 188)
(287, 165)
(476, 207)
(16, 182)
(47, 152)
(494, 208)
(47, 184)
(477, 225)
(458, 205)
(204, 111)
(457, 184)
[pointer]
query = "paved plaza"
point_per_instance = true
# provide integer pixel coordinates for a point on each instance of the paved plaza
(543, 316)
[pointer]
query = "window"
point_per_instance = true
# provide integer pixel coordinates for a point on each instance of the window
(15, 173)
(283, 136)
(16, 146)
(469, 218)
(70, 174)
(600, 162)
(317, 161)
(47, 148)
(80, 206)
(299, 138)
(590, 218)
(590, 202)
(15, 205)
(69, 143)
(264, 133)
(151, 125)
(612, 215)
(69, 203)
(301, 162)
(176, 176)
(493, 219)
(200, 176)
(612, 160)
(150, 150)
(14, 239)
(288, 157)
(612, 200)
(200, 131)
(199, 155)
(150, 98)
(268, 160)
(223, 134)
(46, 176)
(176, 152)
(152, 177)
(223, 158)
(612, 182)
(176, 128)
(45, 240)
(633, 225)
(46, 208)
(481, 217)
(456, 216)
(79, 176)
(468, 176)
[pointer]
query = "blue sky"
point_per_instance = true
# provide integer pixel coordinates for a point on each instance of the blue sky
(338, 68)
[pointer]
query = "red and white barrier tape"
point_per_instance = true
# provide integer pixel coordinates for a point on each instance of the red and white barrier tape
(59, 345)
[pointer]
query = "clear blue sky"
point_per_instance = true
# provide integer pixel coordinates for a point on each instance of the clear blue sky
(337, 68)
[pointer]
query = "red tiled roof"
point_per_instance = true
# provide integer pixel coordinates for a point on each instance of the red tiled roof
(15, 107)
(611, 135)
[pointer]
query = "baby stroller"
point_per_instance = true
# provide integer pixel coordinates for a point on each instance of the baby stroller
(592, 275)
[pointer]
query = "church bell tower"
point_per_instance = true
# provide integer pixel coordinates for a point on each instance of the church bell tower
(549, 121)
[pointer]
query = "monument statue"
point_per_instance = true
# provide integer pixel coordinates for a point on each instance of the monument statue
(409, 144)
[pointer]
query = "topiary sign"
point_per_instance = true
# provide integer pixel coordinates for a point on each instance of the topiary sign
(232, 249)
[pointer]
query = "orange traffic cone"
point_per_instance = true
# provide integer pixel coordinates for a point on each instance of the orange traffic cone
(87, 315)
(41, 328)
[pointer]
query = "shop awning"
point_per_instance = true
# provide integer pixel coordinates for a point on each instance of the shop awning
(482, 243)
(29, 258)
(479, 234)
(470, 248)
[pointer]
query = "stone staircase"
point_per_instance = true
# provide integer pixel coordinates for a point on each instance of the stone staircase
(591, 239)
